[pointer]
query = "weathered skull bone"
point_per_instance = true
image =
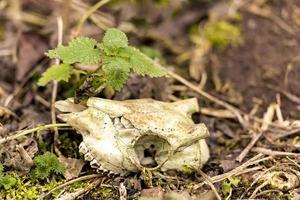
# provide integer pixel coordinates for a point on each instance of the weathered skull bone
(127, 136)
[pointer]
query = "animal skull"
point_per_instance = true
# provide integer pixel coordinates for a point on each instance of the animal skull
(127, 136)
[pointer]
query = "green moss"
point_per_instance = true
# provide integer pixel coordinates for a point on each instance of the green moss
(25, 189)
(186, 170)
(222, 34)
(46, 165)
(189, 186)
(104, 193)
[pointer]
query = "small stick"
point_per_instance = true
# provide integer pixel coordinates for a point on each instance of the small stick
(287, 94)
(82, 178)
(26, 132)
(54, 88)
(268, 117)
(88, 13)
(274, 153)
(258, 188)
(255, 181)
(243, 154)
(78, 192)
(209, 182)
(238, 170)
(289, 133)
(224, 104)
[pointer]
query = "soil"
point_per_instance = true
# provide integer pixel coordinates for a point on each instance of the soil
(263, 60)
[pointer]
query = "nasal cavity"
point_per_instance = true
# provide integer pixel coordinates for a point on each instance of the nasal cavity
(151, 150)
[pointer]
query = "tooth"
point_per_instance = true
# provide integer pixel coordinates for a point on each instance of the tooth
(111, 173)
(94, 164)
(101, 169)
(88, 156)
(82, 148)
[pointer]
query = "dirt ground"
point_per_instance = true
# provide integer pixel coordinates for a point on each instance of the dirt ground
(249, 95)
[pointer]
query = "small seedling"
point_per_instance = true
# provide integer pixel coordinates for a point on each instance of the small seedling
(229, 184)
(115, 58)
(45, 165)
(6, 181)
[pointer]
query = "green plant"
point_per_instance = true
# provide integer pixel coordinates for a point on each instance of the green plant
(228, 184)
(24, 188)
(6, 181)
(222, 33)
(45, 165)
(115, 58)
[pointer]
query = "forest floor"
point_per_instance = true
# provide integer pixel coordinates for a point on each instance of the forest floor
(246, 80)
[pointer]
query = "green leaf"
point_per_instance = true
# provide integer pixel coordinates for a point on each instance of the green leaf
(45, 165)
(114, 39)
(140, 63)
(82, 49)
(60, 72)
(8, 182)
(116, 71)
(226, 187)
(228, 184)
(234, 181)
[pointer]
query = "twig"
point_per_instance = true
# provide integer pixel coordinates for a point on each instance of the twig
(209, 182)
(294, 162)
(268, 118)
(82, 178)
(243, 154)
(54, 88)
(26, 132)
(287, 94)
(267, 191)
(258, 188)
(88, 13)
(255, 181)
(238, 170)
(289, 133)
(252, 9)
(231, 108)
(274, 153)
(77, 193)
(218, 113)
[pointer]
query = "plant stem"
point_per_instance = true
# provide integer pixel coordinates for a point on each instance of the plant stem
(26, 132)
(88, 13)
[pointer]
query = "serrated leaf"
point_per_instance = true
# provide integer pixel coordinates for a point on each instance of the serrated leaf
(116, 71)
(140, 63)
(60, 72)
(114, 39)
(82, 49)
